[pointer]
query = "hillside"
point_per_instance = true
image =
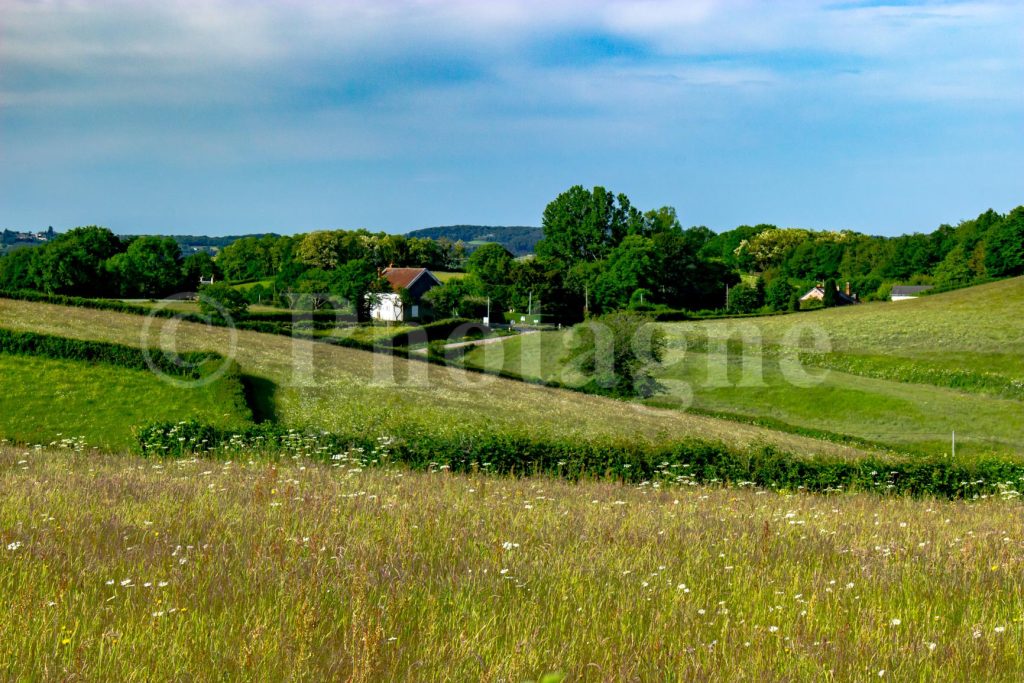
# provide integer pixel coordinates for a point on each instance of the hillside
(907, 373)
(520, 240)
(346, 390)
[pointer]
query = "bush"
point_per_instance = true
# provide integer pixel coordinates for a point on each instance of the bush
(191, 365)
(618, 351)
(519, 453)
(221, 300)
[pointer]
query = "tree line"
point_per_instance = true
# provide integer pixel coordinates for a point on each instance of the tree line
(598, 254)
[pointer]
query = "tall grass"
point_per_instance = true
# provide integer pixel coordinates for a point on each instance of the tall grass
(124, 569)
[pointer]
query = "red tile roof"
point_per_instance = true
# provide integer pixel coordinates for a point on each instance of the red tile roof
(401, 278)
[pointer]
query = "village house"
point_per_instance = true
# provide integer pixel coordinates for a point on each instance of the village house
(392, 306)
(843, 297)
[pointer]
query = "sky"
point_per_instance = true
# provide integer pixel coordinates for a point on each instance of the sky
(227, 117)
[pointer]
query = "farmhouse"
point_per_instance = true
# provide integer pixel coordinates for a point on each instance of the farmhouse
(904, 292)
(843, 298)
(413, 283)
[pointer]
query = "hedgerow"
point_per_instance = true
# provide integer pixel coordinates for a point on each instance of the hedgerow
(690, 461)
(191, 365)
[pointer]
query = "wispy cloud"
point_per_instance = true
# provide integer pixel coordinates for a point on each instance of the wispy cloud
(437, 85)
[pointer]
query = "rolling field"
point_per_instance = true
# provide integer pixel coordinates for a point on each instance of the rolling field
(349, 391)
(905, 374)
(116, 568)
(45, 400)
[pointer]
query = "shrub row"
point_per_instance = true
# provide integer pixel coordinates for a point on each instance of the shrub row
(260, 321)
(191, 365)
(685, 462)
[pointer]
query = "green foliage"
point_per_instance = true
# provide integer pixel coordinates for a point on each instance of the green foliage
(190, 365)
(831, 296)
(778, 295)
(359, 283)
(150, 268)
(507, 452)
(199, 265)
(745, 298)
(618, 352)
(1005, 246)
(582, 226)
(222, 301)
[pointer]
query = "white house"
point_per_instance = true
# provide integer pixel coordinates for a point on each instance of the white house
(416, 282)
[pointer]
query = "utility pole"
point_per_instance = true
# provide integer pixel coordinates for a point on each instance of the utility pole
(586, 300)
(488, 321)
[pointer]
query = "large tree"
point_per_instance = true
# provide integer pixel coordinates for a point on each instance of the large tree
(151, 267)
(582, 225)
(74, 262)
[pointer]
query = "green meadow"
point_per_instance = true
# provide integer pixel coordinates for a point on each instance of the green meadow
(303, 383)
(45, 400)
(119, 568)
(905, 374)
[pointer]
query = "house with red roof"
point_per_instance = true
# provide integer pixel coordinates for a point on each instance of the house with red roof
(405, 300)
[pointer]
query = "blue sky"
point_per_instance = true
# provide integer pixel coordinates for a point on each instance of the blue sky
(225, 117)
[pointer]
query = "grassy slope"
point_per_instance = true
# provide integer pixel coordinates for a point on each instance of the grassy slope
(346, 390)
(976, 330)
(127, 570)
(44, 400)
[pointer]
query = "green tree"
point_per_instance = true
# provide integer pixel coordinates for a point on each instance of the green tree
(222, 301)
(151, 267)
(360, 284)
(20, 270)
(582, 226)
(831, 296)
(955, 269)
(74, 262)
(492, 265)
(744, 298)
(778, 293)
(630, 266)
(199, 265)
(1004, 254)
(618, 352)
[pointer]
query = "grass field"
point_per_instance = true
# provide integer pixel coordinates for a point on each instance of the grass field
(351, 391)
(45, 400)
(912, 372)
(115, 568)
(447, 276)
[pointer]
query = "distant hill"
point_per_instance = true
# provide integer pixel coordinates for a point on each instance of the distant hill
(519, 239)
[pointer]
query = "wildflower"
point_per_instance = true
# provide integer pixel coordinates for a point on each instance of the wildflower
(895, 622)
(509, 545)
(1000, 629)
(773, 629)
(932, 646)
(881, 673)
(126, 582)
(110, 582)
(162, 584)
(14, 546)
